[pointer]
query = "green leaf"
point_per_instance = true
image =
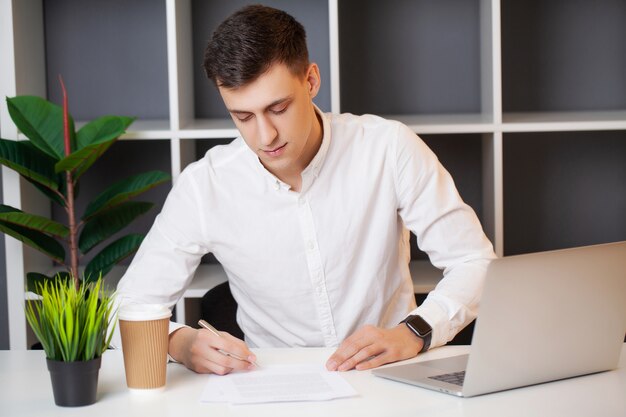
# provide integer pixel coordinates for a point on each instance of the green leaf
(109, 222)
(51, 194)
(101, 130)
(81, 160)
(125, 190)
(93, 140)
(29, 162)
(41, 122)
(103, 262)
(15, 216)
(35, 239)
(35, 280)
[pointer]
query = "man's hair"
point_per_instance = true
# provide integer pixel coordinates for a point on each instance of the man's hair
(250, 41)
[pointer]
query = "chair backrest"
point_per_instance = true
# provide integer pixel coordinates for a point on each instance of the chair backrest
(219, 308)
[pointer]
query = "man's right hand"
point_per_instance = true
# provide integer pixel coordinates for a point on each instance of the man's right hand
(197, 349)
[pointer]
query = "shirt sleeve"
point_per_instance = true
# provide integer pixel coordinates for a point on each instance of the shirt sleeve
(166, 261)
(448, 230)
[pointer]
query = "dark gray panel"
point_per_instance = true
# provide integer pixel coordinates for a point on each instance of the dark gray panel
(203, 145)
(207, 15)
(123, 159)
(112, 55)
(563, 55)
(563, 190)
(462, 156)
(410, 57)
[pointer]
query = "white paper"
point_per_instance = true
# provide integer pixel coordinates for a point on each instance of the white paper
(277, 383)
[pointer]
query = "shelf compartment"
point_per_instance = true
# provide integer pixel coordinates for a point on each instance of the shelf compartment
(563, 55)
(563, 189)
(207, 15)
(112, 56)
(418, 57)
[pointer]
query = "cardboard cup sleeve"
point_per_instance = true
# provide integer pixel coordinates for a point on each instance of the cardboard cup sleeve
(145, 330)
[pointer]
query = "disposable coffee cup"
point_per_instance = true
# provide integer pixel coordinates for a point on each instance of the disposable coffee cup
(144, 331)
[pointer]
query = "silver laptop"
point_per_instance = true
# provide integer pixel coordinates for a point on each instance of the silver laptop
(543, 317)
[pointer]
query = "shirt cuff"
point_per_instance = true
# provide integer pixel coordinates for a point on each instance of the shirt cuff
(438, 320)
(173, 327)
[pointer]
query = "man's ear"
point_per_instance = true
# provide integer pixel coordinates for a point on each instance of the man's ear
(313, 79)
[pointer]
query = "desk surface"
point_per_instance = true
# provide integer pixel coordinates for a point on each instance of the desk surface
(26, 391)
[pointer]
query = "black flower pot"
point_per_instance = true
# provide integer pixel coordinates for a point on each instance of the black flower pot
(74, 384)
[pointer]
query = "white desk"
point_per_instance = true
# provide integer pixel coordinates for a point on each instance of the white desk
(26, 391)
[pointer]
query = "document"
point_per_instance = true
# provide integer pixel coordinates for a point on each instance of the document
(277, 383)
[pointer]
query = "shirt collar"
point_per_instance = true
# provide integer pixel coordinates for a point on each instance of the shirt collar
(318, 160)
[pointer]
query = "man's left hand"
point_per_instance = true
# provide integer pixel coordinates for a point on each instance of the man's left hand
(370, 347)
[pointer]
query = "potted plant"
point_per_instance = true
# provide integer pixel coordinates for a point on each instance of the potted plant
(74, 326)
(53, 159)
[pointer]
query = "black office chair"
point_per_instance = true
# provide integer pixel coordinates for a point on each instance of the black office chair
(219, 308)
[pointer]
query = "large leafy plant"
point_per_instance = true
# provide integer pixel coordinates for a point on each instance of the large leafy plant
(72, 324)
(53, 159)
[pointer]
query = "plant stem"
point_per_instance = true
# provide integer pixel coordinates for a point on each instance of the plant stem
(73, 229)
(70, 191)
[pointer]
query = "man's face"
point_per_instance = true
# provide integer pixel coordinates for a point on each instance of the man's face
(276, 118)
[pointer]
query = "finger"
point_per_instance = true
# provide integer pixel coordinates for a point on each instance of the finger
(236, 348)
(240, 348)
(350, 347)
(345, 351)
(225, 360)
(374, 361)
(208, 366)
(208, 360)
(208, 347)
(366, 353)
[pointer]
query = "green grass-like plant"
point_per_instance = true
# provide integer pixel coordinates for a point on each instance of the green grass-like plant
(72, 324)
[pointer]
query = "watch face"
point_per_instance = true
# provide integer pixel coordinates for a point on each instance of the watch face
(419, 326)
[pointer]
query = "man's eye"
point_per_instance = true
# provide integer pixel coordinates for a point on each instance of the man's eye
(244, 118)
(280, 111)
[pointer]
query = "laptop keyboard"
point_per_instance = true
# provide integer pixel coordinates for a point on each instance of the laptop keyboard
(455, 378)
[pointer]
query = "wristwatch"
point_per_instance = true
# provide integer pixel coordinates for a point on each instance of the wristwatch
(420, 328)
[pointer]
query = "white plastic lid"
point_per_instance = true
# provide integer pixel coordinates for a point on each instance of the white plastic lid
(141, 312)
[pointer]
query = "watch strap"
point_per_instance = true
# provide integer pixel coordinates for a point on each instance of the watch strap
(421, 329)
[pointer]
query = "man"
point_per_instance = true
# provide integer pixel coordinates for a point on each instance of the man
(307, 212)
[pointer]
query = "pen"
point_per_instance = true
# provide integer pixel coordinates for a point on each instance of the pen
(223, 352)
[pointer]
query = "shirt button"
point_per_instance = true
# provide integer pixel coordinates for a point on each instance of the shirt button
(277, 185)
(311, 245)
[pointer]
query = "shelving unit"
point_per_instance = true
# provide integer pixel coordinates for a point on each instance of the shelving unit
(525, 109)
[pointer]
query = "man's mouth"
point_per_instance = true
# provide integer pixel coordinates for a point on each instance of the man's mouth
(276, 151)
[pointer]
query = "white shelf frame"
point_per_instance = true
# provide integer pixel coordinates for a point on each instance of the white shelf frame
(23, 72)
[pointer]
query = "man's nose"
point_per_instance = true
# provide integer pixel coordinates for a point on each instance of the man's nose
(267, 131)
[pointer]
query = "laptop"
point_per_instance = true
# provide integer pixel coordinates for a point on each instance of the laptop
(543, 317)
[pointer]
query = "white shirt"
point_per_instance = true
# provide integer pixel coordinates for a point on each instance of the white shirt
(309, 268)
